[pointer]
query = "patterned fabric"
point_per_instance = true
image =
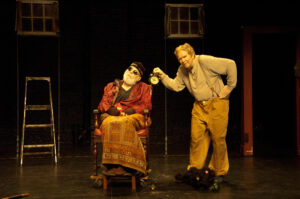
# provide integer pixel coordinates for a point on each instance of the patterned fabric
(121, 144)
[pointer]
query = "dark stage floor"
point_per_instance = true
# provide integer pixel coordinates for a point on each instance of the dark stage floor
(248, 178)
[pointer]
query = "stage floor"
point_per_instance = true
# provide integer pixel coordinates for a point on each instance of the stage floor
(249, 177)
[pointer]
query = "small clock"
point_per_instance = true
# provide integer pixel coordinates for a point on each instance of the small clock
(153, 79)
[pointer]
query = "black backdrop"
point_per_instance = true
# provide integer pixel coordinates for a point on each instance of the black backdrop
(97, 42)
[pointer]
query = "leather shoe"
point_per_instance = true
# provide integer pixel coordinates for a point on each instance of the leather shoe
(119, 171)
(111, 171)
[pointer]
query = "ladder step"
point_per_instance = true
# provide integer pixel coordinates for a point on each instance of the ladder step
(38, 125)
(36, 153)
(37, 107)
(38, 145)
(38, 78)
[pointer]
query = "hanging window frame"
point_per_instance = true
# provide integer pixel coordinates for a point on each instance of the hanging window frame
(184, 20)
(37, 17)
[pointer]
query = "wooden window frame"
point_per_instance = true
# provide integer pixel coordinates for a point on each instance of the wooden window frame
(52, 29)
(180, 20)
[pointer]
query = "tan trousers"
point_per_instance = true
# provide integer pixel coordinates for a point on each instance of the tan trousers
(209, 124)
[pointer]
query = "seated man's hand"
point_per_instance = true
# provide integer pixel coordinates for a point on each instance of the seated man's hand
(157, 71)
(129, 111)
(113, 111)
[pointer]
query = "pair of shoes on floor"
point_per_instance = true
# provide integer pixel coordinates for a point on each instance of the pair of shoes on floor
(219, 179)
(116, 171)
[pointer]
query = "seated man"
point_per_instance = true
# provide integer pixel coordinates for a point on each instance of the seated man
(122, 106)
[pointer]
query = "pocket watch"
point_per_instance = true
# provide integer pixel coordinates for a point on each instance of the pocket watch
(153, 79)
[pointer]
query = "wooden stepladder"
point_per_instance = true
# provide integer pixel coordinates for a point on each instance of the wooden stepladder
(33, 107)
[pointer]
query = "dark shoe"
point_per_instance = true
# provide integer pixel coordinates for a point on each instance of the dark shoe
(115, 171)
(108, 172)
(111, 172)
(219, 179)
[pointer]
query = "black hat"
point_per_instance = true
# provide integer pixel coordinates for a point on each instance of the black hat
(138, 66)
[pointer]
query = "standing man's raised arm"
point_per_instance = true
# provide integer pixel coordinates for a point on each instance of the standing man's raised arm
(175, 84)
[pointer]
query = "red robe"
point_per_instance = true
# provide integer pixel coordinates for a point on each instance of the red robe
(139, 98)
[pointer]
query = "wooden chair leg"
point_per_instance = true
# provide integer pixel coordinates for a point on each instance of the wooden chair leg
(104, 183)
(95, 158)
(133, 183)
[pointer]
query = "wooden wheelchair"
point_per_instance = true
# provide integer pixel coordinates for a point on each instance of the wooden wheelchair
(101, 177)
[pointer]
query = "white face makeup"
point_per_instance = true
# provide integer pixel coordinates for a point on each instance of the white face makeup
(131, 76)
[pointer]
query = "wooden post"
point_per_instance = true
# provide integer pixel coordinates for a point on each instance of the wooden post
(247, 112)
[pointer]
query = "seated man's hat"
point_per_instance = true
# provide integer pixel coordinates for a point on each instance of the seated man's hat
(139, 66)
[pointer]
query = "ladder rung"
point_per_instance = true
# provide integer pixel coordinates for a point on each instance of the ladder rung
(38, 125)
(37, 107)
(38, 78)
(36, 153)
(38, 145)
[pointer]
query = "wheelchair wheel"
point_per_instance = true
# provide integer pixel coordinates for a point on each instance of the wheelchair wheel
(215, 187)
(98, 182)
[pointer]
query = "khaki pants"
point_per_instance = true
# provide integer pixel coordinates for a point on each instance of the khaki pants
(209, 124)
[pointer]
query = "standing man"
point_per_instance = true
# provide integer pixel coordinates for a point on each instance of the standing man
(201, 75)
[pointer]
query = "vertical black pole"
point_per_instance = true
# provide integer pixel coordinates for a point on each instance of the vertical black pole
(18, 105)
(58, 97)
(166, 107)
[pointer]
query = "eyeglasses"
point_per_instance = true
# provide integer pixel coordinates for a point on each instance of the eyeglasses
(133, 70)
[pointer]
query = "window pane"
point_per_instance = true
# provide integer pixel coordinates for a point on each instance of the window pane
(194, 28)
(49, 10)
(184, 27)
(26, 9)
(26, 24)
(37, 24)
(184, 13)
(49, 25)
(174, 28)
(194, 13)
(174, 13)
(37, 10)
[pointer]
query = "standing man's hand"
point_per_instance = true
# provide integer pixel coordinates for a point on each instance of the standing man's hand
(157, 71)
(224, 92)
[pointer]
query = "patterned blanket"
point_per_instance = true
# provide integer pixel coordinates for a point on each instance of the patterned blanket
(121, 144)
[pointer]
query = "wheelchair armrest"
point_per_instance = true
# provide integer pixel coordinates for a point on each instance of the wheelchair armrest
(96, 111)
(146, 111)
(147, 116)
